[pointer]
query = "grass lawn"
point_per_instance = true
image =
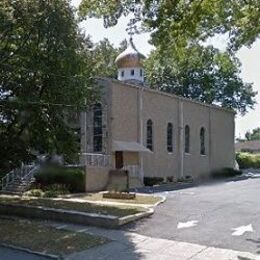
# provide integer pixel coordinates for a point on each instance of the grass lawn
(119, 211)
(140, 199)
(37, 237)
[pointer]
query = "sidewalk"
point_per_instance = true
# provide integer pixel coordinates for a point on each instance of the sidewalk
(132, 246)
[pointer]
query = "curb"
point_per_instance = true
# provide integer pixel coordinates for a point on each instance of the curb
(30, 251)
(71, 216)
(131, 218)
(115, 203)
(163, 199)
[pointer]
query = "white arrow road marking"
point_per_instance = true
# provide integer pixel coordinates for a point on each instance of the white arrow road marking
(239, 231)
(188, 224)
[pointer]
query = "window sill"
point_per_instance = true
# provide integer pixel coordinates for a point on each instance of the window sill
(187, 153)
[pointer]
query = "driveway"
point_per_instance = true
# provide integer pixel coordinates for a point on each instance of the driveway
(225, 215)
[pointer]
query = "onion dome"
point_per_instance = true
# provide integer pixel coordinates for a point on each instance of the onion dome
(130, 57)
(129, 64)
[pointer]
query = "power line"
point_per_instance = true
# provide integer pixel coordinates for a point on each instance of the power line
(50, 104)
(49, 73)
(42, 104)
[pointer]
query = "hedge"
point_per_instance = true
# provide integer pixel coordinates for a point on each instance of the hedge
(248, 160)
(150, 181)
(225, 173)
(72, 178)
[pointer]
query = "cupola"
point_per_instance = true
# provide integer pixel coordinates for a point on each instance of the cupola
(129, 64)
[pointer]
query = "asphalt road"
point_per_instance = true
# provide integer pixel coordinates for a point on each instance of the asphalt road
(225, 215)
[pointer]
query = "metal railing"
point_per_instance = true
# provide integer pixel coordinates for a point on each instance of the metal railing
(24, 173)
(98, 160)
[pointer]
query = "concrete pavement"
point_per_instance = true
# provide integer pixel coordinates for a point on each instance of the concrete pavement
(132, 246)
(13, 254)
(215, 222)
(225, 215)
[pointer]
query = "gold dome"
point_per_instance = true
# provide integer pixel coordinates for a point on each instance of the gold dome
(130, 57)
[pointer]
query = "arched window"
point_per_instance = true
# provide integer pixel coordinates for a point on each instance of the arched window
(122, 73)
(141, 72)
(132, 72)
(97, 128)
(202, 141)
(187, 139)
(170, 137)
(149, 134)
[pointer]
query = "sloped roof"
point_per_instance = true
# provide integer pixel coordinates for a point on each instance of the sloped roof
(128, 147)
(248, 145)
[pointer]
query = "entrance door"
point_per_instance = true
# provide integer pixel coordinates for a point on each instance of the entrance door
(119, 160)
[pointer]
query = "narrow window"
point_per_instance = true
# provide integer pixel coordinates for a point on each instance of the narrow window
(122, 73)
(141, 72)
(132, 72)
(202, 141)
(187, 139)
(149, 134)
(97, 128)
(170, 138)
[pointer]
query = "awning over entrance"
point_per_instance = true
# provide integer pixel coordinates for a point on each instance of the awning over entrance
(129, 147)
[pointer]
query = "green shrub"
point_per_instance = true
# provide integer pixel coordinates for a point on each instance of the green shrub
(34, 193)
(247, 160)
(150, 181)
(225, 173)
(50, 194)
(170, 179)
(73, 179)
(59, 188)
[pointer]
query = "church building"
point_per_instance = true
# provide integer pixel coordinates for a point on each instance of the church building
(151, 133)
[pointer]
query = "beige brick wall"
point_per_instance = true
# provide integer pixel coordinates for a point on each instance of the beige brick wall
(163, 108)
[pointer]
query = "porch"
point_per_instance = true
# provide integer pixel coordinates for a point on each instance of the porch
(120, 170)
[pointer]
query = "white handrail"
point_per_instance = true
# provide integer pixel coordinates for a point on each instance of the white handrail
(25, 172)
(95, 159)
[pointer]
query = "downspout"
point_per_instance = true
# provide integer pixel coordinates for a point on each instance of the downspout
(210, 142)
(181, 139)
(141, 134)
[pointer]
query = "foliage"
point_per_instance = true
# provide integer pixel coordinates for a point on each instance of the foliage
(225, 173)
(181, 64)
(41, 64)
(72, 179)
(51, 191)
(34, 193)
(150, 181)
(51, 194)
(247, 160)
(47, 70)
(103, 57)
(254, 135)
(201, 73)
(179, 21)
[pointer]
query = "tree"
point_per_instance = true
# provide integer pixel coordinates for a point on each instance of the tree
(179, 21)
(42, 73)
(103, 57)
(179, 29)
(201, 73)
(254, 135)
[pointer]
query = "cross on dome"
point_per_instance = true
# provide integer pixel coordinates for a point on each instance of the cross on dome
(129, 62)
(131, 28)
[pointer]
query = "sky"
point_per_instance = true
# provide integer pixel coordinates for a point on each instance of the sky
(248, 57)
